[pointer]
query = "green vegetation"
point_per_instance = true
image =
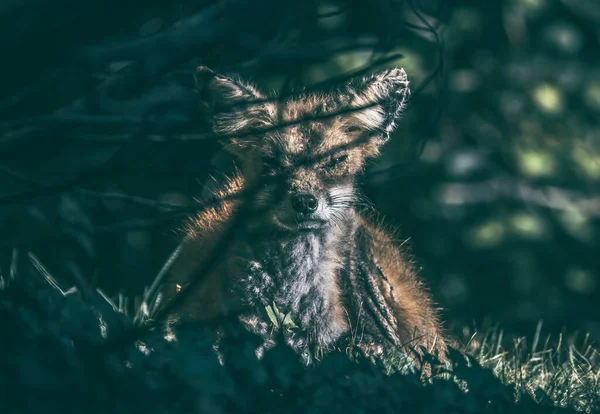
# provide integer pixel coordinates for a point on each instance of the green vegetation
(72, 350)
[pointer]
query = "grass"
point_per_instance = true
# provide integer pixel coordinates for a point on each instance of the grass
(561, 370)
(63, 350)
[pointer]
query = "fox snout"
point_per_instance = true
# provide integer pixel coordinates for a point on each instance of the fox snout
(311, 209)
(302, 210)
(304, 203)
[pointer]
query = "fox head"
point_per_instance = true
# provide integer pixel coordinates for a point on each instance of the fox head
(303, 151)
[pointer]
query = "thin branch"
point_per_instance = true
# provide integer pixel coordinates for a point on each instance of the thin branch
(128, 199)
(550, 197)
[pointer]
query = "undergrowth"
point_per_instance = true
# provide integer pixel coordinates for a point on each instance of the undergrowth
(73, 351)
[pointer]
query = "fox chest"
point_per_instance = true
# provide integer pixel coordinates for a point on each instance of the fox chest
(293, 286)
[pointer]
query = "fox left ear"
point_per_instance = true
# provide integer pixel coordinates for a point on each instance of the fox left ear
(235, 108)
(383, 96)
(220, 91)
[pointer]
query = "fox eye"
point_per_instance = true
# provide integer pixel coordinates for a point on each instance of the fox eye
(334, 162)
(352, 129)
(271, 164)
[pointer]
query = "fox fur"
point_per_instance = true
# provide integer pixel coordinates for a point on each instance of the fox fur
(297, 238)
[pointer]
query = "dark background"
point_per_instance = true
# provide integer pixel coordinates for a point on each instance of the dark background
(493, 175)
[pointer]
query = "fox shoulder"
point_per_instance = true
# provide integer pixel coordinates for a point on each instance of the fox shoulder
(390, 252)
(218, 210)
(413, 302)
(202, 232)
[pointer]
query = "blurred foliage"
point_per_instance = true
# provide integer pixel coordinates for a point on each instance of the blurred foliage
(502, 206)
(492, 177)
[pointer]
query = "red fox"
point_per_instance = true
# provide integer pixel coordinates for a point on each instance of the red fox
(305, 257)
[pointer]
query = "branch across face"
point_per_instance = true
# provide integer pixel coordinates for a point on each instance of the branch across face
(359, 115)
(312, 144)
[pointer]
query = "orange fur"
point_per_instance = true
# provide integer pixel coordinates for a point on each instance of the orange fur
(350, 268)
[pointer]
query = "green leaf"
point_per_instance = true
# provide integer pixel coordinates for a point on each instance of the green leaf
(288, 322)
(272, 316)
(277, 312)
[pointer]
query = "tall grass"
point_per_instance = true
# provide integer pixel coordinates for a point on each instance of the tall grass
(561, 369)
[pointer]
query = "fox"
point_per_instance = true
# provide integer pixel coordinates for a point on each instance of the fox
(289, 245)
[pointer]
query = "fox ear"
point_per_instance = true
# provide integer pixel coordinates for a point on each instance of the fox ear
(236, 108)
(220, 91)
(383, 96)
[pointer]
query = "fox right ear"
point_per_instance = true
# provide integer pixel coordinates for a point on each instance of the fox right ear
(236, 107)
(383, 95)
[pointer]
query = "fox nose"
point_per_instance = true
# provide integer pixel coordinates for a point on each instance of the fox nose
(304, 203)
